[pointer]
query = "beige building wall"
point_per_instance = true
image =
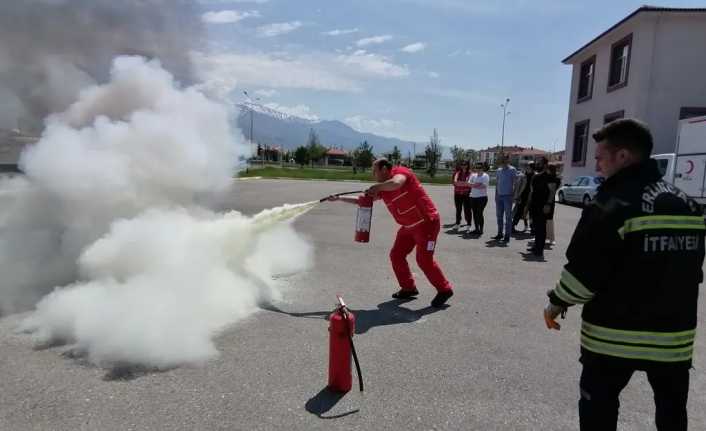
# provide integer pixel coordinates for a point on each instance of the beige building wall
(678, 74)
(667, 72)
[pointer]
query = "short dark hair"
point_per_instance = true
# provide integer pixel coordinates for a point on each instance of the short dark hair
(629, 134)
(383, 163)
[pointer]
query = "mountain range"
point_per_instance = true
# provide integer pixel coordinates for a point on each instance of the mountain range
(275, 128)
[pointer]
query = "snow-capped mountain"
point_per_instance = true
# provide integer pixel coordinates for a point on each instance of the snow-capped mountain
(272, 127)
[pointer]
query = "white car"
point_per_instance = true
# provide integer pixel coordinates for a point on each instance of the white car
(582, 191)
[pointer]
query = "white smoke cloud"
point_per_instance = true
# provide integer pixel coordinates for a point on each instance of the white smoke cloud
(108, 217)
(51, 49)
(163, 284)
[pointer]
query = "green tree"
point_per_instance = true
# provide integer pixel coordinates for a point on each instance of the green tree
(458, 154)
(395, 156)
(301, 156)
(314, 147)
(363, 156)
(433, 154)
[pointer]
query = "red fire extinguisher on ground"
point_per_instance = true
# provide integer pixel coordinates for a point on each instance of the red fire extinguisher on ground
(364, 218)
(341, 348)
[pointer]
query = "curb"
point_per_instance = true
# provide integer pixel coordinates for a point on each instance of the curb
(325, 179)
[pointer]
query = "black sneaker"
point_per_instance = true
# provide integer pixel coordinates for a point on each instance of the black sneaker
(498, 237)
(507, 238)
(405, 294)
(441, 298)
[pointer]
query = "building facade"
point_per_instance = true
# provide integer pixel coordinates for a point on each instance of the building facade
(649, 66)
(490, 155)
(12, 143)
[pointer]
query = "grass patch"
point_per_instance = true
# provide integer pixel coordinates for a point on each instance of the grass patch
(330, 174)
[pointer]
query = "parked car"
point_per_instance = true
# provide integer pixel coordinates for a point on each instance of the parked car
(582, 191)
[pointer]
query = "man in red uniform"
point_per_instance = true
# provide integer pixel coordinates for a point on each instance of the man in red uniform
(412, 208)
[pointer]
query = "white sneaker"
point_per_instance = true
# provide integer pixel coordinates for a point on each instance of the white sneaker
(456, 227)
(468, 229)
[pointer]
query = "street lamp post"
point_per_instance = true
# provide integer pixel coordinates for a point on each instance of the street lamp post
(505, 114)
(252, 114)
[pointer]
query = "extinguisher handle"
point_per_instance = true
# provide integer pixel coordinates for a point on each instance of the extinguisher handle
(341, 304)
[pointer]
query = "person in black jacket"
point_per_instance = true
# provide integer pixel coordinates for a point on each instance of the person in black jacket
(540, 206)
(635, 263)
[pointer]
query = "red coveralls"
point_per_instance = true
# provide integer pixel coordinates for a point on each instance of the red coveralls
(412, 208)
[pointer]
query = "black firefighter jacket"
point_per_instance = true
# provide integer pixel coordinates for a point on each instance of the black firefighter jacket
(635, 263)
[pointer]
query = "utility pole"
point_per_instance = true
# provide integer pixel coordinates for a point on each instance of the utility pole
(252, 114)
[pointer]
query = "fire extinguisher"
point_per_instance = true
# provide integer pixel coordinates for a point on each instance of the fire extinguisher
(363, 218)
(341, 348)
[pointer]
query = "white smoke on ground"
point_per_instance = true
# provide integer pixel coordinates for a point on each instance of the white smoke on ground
(108, 217)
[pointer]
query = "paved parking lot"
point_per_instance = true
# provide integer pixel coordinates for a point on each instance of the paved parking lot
(484, 363)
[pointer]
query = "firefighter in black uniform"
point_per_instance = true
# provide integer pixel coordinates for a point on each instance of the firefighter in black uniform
(635, 263)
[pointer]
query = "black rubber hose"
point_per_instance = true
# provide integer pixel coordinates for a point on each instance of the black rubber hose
(341, 194)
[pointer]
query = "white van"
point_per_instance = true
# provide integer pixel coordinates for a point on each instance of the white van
(686, 167)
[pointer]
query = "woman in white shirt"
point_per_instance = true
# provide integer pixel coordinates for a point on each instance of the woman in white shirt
(479, 195)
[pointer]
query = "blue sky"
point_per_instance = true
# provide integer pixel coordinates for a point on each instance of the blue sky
(403, 67)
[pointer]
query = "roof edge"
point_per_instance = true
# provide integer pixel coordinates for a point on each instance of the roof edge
(627, 18)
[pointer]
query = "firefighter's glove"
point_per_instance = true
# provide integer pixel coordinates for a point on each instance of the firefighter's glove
(551, 312)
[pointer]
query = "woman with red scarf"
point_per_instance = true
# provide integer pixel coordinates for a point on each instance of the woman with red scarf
(462, 197)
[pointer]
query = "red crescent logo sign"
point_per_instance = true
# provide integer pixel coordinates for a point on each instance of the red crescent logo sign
(691, 167)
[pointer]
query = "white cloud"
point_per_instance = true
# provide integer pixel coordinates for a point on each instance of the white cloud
(339, 32)
(433, 75)
(266, 93)
(415, 47)
(301, 111)
(277, 29)
(373, 65)
(465, 96)
(373, 40)
(227, 16)
(222, 70)
(365, 124)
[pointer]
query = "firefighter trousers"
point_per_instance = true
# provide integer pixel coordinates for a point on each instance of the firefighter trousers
(423, 237)
(601, 386)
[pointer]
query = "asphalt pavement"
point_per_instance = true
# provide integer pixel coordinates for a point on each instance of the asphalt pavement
(484, 363)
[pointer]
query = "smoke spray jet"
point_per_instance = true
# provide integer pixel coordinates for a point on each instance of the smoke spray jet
(51, 49)
(108, 212)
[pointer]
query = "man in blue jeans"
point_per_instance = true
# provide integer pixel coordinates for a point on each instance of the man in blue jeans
(506, 176)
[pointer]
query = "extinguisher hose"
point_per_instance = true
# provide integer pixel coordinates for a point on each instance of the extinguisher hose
(342, 194)
(355, 355)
